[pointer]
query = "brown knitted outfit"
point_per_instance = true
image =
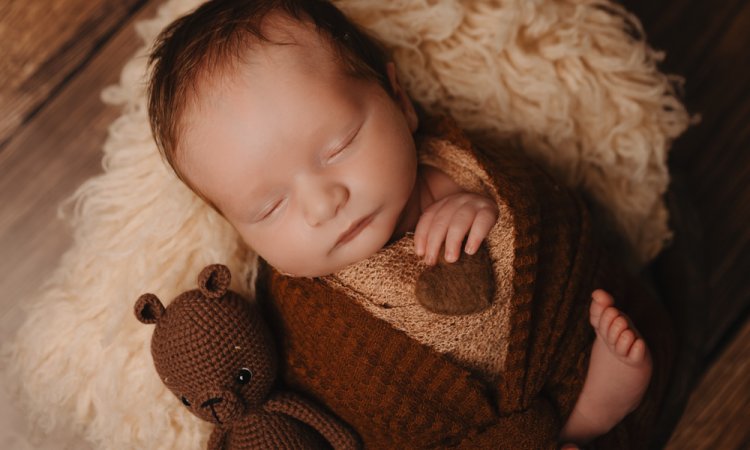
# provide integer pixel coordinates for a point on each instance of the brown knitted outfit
(504, 377)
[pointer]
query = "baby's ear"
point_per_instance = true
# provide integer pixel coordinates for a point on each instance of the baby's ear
(148, 308)
(213, 281)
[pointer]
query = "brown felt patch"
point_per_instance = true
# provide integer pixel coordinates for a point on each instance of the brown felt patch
(463, 287)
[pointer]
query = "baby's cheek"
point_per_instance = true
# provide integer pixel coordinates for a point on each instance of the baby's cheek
(289, 255)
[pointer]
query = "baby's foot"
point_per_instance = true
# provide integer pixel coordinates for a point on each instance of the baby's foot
(618, 374)
(620, 366)
(615, 332)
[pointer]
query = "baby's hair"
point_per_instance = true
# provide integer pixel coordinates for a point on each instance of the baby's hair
(217, 36)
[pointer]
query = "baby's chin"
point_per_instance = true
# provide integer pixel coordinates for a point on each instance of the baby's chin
(330, 269)
(313, 272)
(338, 260)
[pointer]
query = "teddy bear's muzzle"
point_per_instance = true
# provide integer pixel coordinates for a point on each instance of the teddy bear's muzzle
(221, 406)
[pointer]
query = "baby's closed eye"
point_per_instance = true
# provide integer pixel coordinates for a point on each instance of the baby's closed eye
(270, 209)
(340, 149)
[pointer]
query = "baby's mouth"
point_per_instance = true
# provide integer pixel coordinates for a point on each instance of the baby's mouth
(354, 230)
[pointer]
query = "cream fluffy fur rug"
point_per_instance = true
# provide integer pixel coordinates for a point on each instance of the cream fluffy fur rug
(572, 77)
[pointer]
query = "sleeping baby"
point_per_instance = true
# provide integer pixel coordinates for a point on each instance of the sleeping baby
(292, 124)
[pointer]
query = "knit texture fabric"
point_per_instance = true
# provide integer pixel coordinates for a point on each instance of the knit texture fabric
(213, 350)
(385, 284)
(402, 388)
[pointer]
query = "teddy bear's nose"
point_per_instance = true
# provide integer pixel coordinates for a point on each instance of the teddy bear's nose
(211, 402)
(222, 406)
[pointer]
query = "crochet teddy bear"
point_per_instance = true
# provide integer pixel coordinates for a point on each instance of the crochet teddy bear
(212, 349)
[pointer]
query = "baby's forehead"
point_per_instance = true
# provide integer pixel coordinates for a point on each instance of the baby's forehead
(297, 39)
(281, 29)
(287, 43)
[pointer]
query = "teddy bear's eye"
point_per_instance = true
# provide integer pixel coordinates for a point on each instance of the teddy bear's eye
(185, 401)
(244, 376)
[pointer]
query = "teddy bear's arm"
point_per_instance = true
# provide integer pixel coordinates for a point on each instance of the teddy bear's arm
(335, 432)
(217, 439)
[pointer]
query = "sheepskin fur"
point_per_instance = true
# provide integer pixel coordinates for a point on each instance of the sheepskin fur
(574, 79)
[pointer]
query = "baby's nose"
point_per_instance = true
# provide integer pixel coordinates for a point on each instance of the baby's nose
(323, 200)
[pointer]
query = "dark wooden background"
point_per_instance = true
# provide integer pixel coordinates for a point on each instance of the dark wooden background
(56, 56)
(703, 277)
(709, 43)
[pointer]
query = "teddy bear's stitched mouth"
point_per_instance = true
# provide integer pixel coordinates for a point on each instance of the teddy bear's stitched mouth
(210, 403)
(213, 413)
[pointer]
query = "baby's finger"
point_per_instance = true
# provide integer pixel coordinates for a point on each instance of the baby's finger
(483, 223)
(435, 240)
(433, 245)
(437, 232)
(422, 229)
(457, 229)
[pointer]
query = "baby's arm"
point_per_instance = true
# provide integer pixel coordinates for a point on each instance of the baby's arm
(451, 215)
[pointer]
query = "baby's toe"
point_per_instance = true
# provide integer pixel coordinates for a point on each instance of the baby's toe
(637, 351)
(605, 322)
(600, 301)
(624, 343)
(618, 325)
(602, 298)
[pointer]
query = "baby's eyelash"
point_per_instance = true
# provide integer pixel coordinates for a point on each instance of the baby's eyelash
(340, 149)
(267, 212)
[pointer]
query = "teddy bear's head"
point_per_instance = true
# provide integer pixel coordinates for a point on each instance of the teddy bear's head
(211, 348)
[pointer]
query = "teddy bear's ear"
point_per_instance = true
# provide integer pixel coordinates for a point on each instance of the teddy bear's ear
(213, 281)
(148, 308)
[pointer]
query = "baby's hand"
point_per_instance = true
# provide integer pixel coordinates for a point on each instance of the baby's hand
(448, 221)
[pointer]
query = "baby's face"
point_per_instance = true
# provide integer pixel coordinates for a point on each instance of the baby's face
(312, 167)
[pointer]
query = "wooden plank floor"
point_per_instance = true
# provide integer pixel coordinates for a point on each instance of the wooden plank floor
(707, 42)
(47, 156)
(718, 413)
(44, 45)
(57, 56)
(54, 137)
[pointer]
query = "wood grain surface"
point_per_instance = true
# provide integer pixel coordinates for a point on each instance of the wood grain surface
(45, 43)
(49, 153)
(708, 42)
(703, 276)
(718, 413)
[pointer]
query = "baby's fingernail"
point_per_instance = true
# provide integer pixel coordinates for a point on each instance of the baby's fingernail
(450, 256)
(469, 249)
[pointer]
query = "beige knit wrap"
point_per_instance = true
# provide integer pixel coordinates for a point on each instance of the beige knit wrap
(385, 283)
